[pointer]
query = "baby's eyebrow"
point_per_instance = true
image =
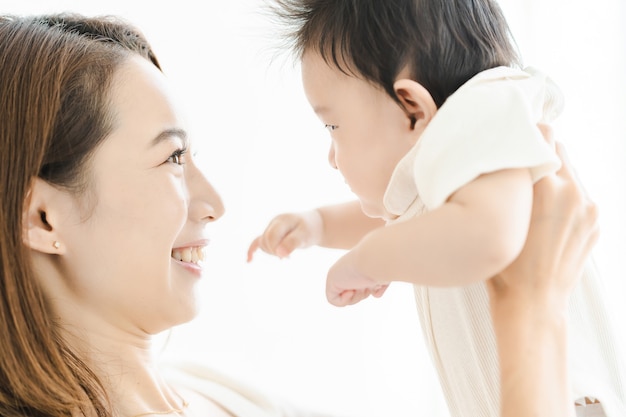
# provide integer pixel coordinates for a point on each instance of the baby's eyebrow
(167, 134)
(320, 110)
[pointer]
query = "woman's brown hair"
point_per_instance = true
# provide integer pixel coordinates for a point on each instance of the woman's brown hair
(55, 77)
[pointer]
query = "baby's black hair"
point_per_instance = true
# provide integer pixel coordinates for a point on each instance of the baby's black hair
(443, 43)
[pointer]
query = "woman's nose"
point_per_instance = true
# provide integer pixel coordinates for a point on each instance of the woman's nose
(331, 156)
(205, 204)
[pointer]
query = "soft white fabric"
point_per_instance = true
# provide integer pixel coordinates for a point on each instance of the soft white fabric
(490, 124)
(237, 398)
(590, 410)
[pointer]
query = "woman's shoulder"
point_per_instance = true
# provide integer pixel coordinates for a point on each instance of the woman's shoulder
(234, 395)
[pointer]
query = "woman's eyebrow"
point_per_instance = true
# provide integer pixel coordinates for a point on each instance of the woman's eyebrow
(167, 134)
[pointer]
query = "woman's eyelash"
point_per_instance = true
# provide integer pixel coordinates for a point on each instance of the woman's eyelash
(177, 156)
(330, 128)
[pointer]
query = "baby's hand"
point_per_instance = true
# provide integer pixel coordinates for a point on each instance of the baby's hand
(346, 285)
(287, 232)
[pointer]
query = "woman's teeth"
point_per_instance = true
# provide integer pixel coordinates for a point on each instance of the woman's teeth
(193, 255)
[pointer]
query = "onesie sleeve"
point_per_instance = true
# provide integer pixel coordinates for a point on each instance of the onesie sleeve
(482, 128)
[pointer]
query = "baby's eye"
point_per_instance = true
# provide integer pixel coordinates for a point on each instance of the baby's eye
(330, 128)
(177, 157)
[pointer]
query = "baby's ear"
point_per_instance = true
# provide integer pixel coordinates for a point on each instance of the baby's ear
(417, 102)
(39, 231)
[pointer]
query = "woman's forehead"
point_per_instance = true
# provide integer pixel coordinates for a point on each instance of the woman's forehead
(143, 103)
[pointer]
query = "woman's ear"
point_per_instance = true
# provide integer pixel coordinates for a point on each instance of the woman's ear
(40, 231)
(417, 102)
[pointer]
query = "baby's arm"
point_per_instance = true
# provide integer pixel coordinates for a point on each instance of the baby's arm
(338, 226)
(473, 236)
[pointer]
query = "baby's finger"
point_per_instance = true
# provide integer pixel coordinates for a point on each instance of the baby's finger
(341, 299)
(292, 241)
(355, 296)
(347, 297)
(253, 248)
(379, 290)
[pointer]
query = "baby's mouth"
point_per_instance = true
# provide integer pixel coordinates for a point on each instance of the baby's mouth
(190, 255)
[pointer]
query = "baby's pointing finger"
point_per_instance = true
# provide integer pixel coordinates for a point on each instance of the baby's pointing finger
(253, 248)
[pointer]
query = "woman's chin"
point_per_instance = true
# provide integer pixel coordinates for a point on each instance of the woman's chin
(183, 314)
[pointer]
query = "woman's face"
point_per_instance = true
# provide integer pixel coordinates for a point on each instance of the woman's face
(134, 242)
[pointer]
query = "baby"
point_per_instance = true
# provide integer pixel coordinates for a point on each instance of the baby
(436, 129)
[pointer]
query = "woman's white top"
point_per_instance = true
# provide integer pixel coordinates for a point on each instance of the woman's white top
(234, 396)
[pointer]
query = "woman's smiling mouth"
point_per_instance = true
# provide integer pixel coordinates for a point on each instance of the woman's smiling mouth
(189, 255)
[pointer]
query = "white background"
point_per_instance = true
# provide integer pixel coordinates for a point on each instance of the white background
(268, 322)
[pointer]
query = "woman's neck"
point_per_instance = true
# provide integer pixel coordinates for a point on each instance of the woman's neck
(126, 366)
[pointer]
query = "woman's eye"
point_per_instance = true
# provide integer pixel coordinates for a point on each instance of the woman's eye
(330, 128)
(177, 157)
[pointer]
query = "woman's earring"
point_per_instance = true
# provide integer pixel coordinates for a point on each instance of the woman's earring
(56, 244)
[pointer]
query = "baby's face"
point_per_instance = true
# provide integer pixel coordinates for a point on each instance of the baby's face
(369, 131)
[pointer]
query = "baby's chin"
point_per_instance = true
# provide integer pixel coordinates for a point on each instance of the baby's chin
(377, 211)
(374, 210)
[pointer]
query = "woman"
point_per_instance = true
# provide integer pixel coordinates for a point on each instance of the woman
(102, 229)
